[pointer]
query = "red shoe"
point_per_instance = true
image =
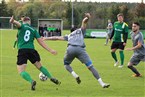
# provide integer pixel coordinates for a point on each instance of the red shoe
(135, 75)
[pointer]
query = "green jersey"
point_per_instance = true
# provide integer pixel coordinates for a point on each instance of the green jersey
(120, 29)
(26, 37)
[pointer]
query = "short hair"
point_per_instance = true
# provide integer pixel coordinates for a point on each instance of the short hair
(22, 16)
(120, 14)
(27, 19)
(137, 23)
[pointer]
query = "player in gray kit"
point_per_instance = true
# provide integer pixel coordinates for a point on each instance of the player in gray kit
(138, 48)
(76, 49)
(109, 31)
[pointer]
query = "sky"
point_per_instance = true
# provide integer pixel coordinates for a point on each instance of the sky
(131, 1)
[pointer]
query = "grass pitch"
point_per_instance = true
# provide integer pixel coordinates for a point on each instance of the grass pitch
(122, 84)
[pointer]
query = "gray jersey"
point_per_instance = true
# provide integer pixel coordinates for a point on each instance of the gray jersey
(135, 39)
(110, 29)
(76, 38)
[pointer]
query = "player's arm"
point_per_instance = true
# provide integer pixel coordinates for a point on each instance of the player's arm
(139, 45)
(13, 21)
(54, 38)
(85, 20)
(125, 36)
(41, 42)
(112, 34)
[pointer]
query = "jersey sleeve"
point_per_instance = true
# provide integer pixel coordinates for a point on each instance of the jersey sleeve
(140, 38)
(126, 28)
(66, 37)
(37, 34)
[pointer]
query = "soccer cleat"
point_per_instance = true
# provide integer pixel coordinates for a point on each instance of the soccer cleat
(120, 66)
(78, 80)
(33, 84)
(106, 85)
(105, 44)
(54, 80)
(116, 64)
(136, 75)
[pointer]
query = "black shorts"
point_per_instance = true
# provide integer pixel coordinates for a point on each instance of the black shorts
(117, 45)
(27, 54)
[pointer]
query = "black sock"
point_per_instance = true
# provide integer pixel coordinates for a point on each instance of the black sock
(134, 70)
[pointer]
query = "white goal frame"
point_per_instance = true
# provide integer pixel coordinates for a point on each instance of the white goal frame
(3, 23)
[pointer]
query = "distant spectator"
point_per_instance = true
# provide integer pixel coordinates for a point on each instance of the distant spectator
(41, 30)
(45, 31)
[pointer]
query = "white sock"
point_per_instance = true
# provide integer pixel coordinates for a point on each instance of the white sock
(101, 82)
(74, 74)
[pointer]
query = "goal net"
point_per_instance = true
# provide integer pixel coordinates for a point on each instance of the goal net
(4, 23)
(50, 27)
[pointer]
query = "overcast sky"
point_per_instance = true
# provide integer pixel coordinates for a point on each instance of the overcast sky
(131, 1)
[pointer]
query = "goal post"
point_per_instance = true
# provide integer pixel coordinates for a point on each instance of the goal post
(4, 23)
(50, 27)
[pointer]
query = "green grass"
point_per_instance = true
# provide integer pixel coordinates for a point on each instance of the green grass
(122, 84)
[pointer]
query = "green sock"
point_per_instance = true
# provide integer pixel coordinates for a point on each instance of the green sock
(15, 44)
(26, 76)
(121, 57)
(114, 56)
(45, 71)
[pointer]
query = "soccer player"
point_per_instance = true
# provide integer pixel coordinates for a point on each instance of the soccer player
(109, 31)
(26, 51)
(138, 48)
(120, 35)
(76, 49)
(21, 21)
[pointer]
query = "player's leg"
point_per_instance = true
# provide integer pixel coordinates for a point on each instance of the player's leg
(35, 59)
(46, 72)
(134, 61)
(121, 58)
(121, 48)
(84, 58)
(107, 38)
(68, 58)
(23, 73)
(21, 66)
(114, 47)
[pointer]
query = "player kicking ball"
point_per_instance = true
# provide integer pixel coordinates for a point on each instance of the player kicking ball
(76, 49)
(26, 51)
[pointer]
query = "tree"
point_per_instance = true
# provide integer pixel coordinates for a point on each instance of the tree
(114, 10)
(140, 10)
(3, 8)
(124, 9)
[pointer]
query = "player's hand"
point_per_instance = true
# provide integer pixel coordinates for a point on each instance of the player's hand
(43, 38)
(110, 40)
(53, 52)
(128, 49)
(124, 44)
(87, 15)
(12, 19)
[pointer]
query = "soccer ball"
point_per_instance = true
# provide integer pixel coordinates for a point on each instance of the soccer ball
(42, 77)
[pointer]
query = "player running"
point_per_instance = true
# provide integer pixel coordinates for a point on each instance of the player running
(26, 51)
(120, 35)
(76, 49)
(138, 48)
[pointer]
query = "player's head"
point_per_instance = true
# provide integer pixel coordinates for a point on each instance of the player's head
(27, 20)
(135, 26)
(120, 17)
(109, 21)
(73, 28)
